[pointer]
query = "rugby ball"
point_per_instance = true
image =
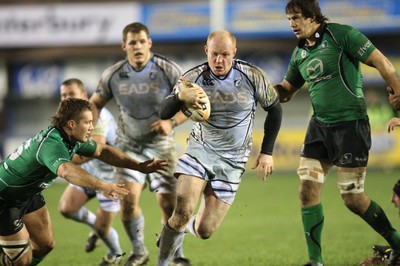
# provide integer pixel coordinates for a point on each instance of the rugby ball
(198, 115)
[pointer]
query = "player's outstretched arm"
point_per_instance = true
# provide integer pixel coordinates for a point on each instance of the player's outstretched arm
(78, 176)
(115, 157)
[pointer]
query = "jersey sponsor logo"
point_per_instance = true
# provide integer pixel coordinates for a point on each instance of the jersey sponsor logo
(229, 97)
(303, 54)
(315, 70)
(363, 49)
(141, 88)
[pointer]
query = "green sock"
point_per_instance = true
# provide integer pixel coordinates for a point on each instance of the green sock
(378, 220)
(36, 261)
(313, 222)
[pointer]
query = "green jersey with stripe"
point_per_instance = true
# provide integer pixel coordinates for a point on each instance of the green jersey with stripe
(32, 167)
(332, 70)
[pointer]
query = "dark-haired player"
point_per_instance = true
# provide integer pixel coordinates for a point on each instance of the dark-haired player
(26, 234)
(328, 57)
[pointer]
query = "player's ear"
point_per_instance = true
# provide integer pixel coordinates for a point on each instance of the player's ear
(71, 124)
(206, 49)
(123, 46)
(150, 42)
(234, 52)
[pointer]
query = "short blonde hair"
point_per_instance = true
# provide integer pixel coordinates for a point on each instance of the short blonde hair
(223, 33)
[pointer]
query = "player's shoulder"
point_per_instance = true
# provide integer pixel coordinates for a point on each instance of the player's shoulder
(106, 116)
(118, 66)
(247, 68)
(195, 72)
(50, 133)
(164, 62)
(51, 138)
(339, 30)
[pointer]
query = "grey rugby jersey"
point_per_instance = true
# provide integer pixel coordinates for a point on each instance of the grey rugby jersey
(138, 95)
(228, 131)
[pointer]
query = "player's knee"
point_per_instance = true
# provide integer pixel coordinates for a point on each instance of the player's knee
(309, 192)
(15, 253)
(180, 218)
(129, 208)
(351, 180)
(204, 232)
(312, 174)
(67, 213)
(45, 247)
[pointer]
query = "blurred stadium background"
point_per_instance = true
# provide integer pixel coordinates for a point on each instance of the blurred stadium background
(44, 42)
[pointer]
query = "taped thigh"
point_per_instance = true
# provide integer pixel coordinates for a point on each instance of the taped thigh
(351, 180)
(312, 170)
(13, 250)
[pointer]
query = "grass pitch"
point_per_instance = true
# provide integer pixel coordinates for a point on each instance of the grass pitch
(262, 228)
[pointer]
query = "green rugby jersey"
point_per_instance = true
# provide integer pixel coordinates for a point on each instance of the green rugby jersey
(332, 70)
(32, 167)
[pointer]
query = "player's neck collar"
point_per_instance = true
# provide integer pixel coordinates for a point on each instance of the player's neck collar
(65, 136)
(317, 35)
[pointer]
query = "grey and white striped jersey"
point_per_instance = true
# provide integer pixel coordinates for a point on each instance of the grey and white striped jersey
(138, 95)
(228, 131)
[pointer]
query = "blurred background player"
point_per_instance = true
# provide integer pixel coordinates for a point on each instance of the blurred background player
(218, 149)
(328, 57)
(26, 233)
(72, 202)
(138, 84)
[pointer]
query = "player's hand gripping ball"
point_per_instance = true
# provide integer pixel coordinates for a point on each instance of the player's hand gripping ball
(196, 114)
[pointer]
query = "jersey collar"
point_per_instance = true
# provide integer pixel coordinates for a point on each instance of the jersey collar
(318, 36)
(64, 136)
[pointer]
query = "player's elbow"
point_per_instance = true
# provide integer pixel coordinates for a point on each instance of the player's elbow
(64, 170)
(285, 98)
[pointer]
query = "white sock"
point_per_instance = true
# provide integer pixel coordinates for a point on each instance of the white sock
(170, 240)
(135, 231)
(84, 215)
(112, 242)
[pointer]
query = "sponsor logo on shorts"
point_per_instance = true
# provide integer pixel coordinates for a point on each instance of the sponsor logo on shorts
(346, 158)
(17, 223)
